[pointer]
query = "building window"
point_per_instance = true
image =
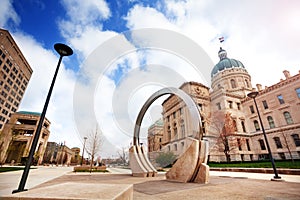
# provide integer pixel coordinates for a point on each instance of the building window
(296, 139)
(203, 124)
(247, 83)
(230, 104)
(233, 84)
(243, 126)
(252, 109)
(298, 92)
(181, 111)
(288, 117)
(219, 106)
(256, 125)
(271, 122)
(175, 132)
(7, 88)
(238, 105)
(169, 133)
(280, 99)
(265, 104)
(262, 144)
(3, 94)
(5, 112)
(200, 106)
(242, 157)
(277, 142)
(248, 145)
(239, 144)
(9, 81)
(182, 130)
(282, 156)
(175, 147)
(168, 118)
(174, 115)
(234, 125)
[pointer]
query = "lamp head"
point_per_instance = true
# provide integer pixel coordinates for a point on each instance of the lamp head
(252, 94)
(63, 49)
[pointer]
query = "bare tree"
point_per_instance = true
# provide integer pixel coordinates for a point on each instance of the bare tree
(94, 145)
(223, 128)
(287, 145)
(123, 155)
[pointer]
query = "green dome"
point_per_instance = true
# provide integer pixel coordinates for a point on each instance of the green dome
(29, 113)
(158, 122)
(225, 63)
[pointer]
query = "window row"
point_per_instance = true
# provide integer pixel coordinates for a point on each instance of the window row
(232, 105)
(18, 82)
(279, 98)
(240, 143)
(278, 143)
(174, 114)
(234, 85)
(287, 116)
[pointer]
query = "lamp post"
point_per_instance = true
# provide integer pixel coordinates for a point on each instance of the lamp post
(253, 95)
(83, 150)
(62, 50)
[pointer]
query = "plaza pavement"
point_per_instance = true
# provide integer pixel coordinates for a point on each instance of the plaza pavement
(222, 185)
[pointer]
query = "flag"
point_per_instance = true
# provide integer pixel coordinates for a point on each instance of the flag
(221, 39)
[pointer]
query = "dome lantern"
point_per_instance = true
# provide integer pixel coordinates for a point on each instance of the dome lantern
(225, 63)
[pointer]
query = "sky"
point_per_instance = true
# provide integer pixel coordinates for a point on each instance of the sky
(125, 50)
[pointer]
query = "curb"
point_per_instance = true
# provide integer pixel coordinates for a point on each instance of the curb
(259, 170)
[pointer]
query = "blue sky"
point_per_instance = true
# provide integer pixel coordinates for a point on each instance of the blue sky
(263, 35)
(40, 19)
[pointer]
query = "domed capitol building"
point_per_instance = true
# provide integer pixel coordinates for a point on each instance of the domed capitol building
(229, 117)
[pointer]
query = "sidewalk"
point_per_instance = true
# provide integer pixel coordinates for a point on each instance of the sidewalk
(222, 185)
(9, 181)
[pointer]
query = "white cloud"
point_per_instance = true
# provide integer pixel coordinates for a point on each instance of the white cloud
(8, 13)
(261, 34)
(81, 14)
(44, 62)
(151, 18)
(90, 38)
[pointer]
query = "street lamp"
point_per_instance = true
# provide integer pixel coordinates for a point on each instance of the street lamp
(83, 150)
(62, 50)
(253, 95)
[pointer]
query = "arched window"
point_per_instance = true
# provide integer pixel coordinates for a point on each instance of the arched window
(169, 133)
(233, 84)
(288, 117)
(271, 122)
(182, 127)
(277, 142)
(256, 125)
(234, 125)
(243, 126)
(175, 132)
(247, 83)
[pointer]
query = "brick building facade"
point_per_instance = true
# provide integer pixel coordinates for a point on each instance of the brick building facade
(15, 74)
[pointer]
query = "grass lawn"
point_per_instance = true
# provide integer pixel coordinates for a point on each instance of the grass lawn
(8, 169)
(259, 164)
